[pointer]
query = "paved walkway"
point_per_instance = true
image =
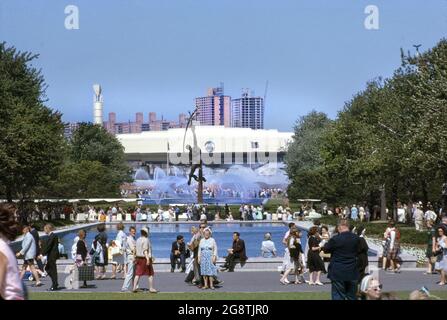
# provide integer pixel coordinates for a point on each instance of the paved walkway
(255, 282)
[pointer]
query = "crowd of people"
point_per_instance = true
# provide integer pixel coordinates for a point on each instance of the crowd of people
(404, 213)
(342, 255)
(209, 191)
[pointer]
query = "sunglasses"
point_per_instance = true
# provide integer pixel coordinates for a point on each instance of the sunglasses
(376, 288)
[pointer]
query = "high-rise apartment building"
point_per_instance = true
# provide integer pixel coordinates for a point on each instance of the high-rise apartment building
(215, 108)
(139, 125)
(248, 111)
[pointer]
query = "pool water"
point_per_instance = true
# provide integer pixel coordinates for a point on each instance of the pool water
(162, 236)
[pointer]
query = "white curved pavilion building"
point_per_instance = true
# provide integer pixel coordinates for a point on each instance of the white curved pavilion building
(241, 145)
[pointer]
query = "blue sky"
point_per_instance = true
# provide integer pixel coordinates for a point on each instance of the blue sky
(159, 55)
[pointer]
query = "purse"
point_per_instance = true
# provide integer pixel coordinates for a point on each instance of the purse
(85, 273)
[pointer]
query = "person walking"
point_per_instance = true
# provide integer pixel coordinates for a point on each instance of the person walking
(193, 246)
(418, 217)
(295, 251)
(441, 253)
(29, 253)
(431, 244)
(82, 255)
(315, 263)
(286, 258)
(362, 253)
(208, 258)
(143, 261)
(354, 212)
(100, 252)
(394, 247)
(119, 258)
(343, 269)
(36, 237)
(51, 251)
(11, 287)
(131, 243)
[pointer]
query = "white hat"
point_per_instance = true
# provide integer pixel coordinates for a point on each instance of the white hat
(365, 283)
(145, 229)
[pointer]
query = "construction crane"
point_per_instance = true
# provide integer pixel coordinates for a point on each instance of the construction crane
(265, 92)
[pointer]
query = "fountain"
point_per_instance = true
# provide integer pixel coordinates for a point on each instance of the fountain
(235, 185)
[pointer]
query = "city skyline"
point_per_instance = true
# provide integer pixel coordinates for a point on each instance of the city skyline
(315, 55)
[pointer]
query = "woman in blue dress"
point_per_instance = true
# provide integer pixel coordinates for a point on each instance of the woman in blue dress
(207, 258)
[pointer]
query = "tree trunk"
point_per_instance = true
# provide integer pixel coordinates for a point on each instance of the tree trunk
(394, 201)
(8, 194)
(424, 194)
(383, 215)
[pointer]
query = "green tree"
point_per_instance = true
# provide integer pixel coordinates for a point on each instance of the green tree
(303, 159)
(95, 165)
(31, 134)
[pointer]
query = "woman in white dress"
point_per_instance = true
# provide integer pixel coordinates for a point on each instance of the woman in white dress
(207, 259)
(11, 288)
(119, 260)
(362, 214)
(441, 253)
(401, 214)
(295, 251)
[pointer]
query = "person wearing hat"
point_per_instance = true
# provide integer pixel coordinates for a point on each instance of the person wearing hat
(143, 261)
(418, 217)
(370, 288)
(207, 258)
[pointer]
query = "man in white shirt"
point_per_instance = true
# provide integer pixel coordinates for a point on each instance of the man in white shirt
(430, 214)
(130, 258)
(418, 217)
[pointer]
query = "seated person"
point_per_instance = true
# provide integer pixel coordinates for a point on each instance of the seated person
(268, 249)
(178, 252)
(236, 252)
(61, 249)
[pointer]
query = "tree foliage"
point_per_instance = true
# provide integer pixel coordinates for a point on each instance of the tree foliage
(393, 133)
(95, 165)
(31, 134)
(35, 159)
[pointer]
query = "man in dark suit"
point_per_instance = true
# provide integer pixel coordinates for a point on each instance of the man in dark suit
(343, 270)
(236, 252)
(178, 251)
(50, 249)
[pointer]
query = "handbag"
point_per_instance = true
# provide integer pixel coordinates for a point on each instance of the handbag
(85, 273)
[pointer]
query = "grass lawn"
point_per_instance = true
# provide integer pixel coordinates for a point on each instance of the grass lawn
(198, 296)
